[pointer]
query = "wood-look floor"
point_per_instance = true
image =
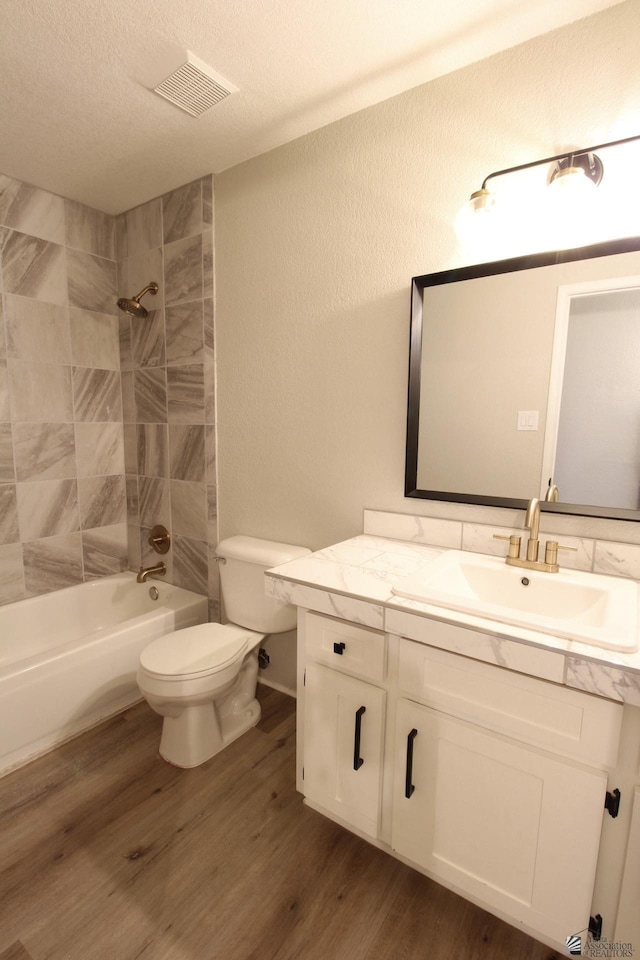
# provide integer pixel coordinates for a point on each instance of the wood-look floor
(108, 853)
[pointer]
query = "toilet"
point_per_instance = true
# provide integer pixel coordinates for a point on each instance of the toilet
(202, 679)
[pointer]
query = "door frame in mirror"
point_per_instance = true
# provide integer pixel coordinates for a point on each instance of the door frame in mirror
(418, 286)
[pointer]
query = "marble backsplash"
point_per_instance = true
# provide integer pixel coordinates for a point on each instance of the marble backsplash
(597, 556)
(62, 486)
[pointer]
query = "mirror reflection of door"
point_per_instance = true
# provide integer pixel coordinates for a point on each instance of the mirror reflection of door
(592, 443)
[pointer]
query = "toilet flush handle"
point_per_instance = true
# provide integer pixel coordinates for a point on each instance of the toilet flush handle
(220, 559)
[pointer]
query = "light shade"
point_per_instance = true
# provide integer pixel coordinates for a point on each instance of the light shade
(476, 216)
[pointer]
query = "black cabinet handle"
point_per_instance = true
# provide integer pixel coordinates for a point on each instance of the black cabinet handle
(408, 786)
(339, 648)
(357, 759)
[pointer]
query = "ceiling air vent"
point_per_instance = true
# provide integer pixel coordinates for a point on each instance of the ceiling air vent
(194, 87)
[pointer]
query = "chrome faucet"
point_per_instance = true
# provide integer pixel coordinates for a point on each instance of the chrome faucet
(159, 569)
(532, 523)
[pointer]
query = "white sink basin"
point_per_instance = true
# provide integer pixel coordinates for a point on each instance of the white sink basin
(595, 609)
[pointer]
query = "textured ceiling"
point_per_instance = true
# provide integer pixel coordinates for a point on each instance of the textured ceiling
(77, 116)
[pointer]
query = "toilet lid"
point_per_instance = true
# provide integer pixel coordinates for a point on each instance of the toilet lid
(195, 651)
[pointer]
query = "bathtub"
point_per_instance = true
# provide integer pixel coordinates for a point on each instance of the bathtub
(68, 659)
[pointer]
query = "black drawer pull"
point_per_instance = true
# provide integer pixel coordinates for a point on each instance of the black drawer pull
(357, 759)
(408, 786)
(339, 648)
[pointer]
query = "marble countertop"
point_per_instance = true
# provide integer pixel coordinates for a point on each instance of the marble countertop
(364, 570)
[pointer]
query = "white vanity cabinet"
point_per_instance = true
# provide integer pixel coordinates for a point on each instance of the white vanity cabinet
(344, 720)
(488, 780)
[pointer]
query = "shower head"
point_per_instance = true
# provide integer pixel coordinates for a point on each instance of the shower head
(132, 305)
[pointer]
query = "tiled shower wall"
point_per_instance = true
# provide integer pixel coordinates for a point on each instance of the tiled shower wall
(62, 487)
(168, 379)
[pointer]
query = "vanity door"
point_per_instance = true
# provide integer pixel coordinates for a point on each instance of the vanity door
(510, 825)
(343, 746)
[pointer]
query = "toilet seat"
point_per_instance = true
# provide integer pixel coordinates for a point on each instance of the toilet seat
(194, 652)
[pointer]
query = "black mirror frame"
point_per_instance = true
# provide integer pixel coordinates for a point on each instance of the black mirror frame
(418, 286)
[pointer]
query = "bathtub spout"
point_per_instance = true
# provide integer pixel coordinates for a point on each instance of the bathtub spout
(143, 573)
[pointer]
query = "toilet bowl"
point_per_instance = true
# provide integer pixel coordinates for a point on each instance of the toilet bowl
(202, 679)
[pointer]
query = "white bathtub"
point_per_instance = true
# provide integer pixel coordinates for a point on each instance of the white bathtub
(68, 659)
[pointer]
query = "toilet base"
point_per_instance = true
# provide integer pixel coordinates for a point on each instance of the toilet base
(198, 733)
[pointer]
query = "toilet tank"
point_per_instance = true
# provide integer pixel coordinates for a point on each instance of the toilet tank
(243, 585)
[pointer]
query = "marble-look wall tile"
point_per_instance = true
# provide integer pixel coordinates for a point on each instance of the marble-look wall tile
(209, 337)
(130, 448)
(185, 333)
(7, 468)
(150, 387)
(187, 452)
(44, 451)
(144, 228)
(134, 547)
(3, 347)
(89, 230)
(212, 513)
(97, 394)
(129, 412)
(52, 564)
(40, 391)
(31, 210)
(59, 329)
(618, 559)
(122, 237)
(147, 340)
(36, 330)
(92, 282)
(104, 551)
(95, 339)
(47, 508)
(34, 268)
(211, 452)
(5, 411)
(9, 529)
(102, 501)
(11, 573)
(189, 509)
(155, 501)
(153, 450)
(183, 270)
(149, 558)
(133, 506)
(207, 202)
(135, 273)
(190, 564)
(209, 392)
(182, 212)
(185, 393)
(126, 349)
(99, 449)
(207, 264)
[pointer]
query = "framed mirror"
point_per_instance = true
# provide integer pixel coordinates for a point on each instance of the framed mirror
(524, 380)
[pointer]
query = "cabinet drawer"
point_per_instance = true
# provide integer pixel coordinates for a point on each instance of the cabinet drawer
(547, 715)
(345, 646)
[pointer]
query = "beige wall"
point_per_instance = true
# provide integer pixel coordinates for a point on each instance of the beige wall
(316, 243)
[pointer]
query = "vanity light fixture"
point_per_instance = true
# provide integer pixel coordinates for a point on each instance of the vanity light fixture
(572, 180)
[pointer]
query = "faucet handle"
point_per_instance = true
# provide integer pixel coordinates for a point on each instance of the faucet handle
(551, 551)
(514, 544)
